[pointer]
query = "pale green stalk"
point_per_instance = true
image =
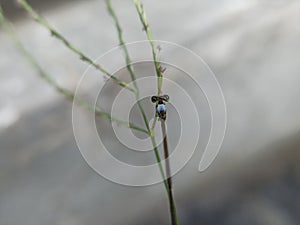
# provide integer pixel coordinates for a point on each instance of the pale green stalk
(146, 27)
(157, 64)
(133, 78)
(156, 60)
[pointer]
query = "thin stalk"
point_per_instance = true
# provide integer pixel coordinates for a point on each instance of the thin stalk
(45, 76)
(60, 37)
(174, 220)
(133, 78)
(154, 122)
(159, 161)
(156, 60)
(122, 42)
(157, 64)
(127, 58)
(146, 27)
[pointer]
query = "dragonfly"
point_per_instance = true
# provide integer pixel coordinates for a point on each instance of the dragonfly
(161, 110)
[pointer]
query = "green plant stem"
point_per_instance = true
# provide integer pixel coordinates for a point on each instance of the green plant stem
(127, 59)
(44, 75)
(133, 78)
(154, 122)
(156, 60)
(157, 64)
(146, 27)
(121, 42)
(60, 37)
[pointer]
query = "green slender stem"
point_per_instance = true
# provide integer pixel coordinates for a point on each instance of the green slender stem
(157, 64)
(159, 161)
(127, 58)
(133, 78)
(156, 60)
(153, 141)
(108, 116)
(154, 122)
(44, 75)
(60, 37)
(146, 27)
(122, 42)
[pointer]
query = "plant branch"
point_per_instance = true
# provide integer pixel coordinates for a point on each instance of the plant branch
(133, 78)
(159, 72)
(122, 42)
(43, 74)
(156, 60)
(60, 37)
(146, 27)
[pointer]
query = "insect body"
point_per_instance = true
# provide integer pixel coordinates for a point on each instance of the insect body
(161, 109)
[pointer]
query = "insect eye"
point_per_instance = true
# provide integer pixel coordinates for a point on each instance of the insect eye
(166, 97)
(154, 99)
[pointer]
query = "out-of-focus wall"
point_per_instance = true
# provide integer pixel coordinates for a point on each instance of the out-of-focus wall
(253, 48)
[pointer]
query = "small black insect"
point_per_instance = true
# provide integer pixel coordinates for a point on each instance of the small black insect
(161, 109)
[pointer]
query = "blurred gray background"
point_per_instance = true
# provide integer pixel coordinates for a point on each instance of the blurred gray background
(253, 48)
